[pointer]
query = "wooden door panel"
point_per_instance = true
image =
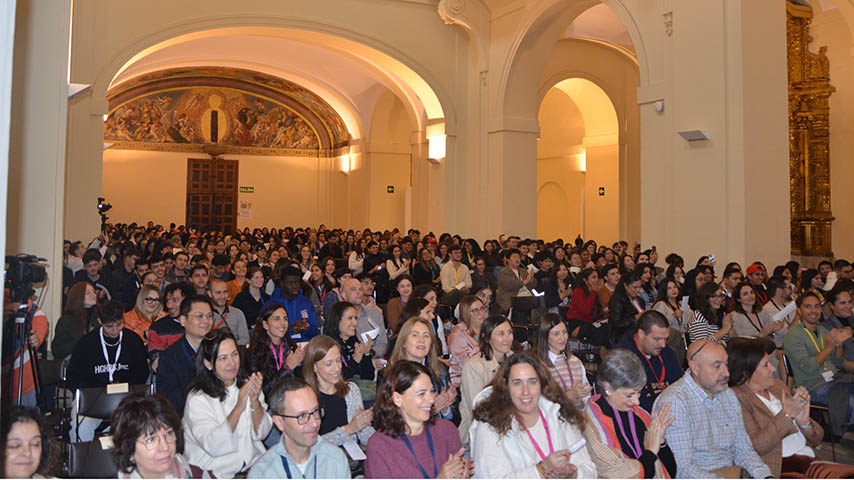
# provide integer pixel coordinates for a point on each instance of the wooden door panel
(212, 193)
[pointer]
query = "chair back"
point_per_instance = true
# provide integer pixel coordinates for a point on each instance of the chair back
(90, 460)
(95, 402)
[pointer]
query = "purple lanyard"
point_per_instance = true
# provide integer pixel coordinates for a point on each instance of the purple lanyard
(560, 377)
(634, 447)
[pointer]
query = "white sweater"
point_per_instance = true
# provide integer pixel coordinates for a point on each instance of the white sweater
(209, 442)
(513, 455)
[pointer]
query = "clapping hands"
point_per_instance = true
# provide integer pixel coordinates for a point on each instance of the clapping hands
(658, 425)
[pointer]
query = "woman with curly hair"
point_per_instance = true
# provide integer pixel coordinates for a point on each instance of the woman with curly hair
(29, 448)
(410, 442)
(526, 426)
(148, 440)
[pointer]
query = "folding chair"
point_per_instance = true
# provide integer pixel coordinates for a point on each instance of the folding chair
(95, 402)
(91, 460)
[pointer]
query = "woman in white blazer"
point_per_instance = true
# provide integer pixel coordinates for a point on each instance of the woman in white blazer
(527, 428)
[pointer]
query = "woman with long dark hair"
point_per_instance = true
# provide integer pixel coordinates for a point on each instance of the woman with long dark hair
(526, 426)
(355, 355)
(709, 320)
(225, 418)
(566, 369)
(78, 318)
(410, 441)
(425, 270)
(496, 343)
(585, 311)
(271, 350)
(625, 306)
(668, 303)
(252, 298)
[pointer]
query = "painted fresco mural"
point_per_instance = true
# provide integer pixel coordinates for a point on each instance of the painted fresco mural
(242, 111)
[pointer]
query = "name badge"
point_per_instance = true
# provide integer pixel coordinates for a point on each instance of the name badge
(828, 375)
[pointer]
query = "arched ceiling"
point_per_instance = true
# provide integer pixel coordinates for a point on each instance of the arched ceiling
(600, 23)
(346, 75)
(600, 117)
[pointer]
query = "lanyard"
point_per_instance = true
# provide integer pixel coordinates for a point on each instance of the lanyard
(759, 320)
(432, 453)
(560, 377)
(663, 368)
(548, 436)
(820, 339)
(280, 359)
(635, 446)
(111, 367)
(288, 468)
(456, 274)
(223, 315)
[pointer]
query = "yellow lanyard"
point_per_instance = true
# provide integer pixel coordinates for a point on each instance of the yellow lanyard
(456, 275)
(813, 339)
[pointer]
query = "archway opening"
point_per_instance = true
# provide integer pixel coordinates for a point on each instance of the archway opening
(578, 163)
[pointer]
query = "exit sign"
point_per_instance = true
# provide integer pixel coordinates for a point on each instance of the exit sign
(247, 189)
(601, 191)
(389, 189)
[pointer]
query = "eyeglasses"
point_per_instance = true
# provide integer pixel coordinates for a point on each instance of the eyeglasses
(478, 310)
(303, 418)
(698, 351)
(152, 299)
(152, 441)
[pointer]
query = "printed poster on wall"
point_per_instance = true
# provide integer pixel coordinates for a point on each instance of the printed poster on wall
(245, 209)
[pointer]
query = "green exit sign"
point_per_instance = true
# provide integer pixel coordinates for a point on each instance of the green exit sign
(601, 191)
(247, 189)
(389, 189)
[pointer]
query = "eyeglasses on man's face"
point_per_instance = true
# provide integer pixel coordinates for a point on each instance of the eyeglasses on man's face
(304, 417)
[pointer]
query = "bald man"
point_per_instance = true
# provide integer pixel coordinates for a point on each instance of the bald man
(707, 435)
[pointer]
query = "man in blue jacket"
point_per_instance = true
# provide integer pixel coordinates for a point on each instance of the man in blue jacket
(301, 314)
(659, 361)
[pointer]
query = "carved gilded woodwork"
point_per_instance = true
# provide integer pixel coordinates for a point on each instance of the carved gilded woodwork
(809, 137)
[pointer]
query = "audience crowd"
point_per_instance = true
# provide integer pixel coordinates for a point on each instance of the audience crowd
(329, 353)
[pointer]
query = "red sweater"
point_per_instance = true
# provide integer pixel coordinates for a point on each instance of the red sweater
(583, 307)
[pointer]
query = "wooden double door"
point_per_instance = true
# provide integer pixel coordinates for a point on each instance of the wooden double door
(212, 194)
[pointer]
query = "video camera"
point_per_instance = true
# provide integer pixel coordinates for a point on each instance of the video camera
(21, 273)
(103, 208)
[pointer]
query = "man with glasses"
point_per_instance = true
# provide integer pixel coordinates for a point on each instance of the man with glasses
(168, 330)
(707, 435)
(109, 354)
(302, 453)
(175, 368)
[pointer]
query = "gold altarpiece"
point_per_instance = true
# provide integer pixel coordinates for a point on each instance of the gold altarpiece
(809, 137)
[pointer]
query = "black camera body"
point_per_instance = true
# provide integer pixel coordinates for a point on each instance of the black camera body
(22, 271)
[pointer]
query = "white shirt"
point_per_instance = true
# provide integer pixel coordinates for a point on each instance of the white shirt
(795, 443)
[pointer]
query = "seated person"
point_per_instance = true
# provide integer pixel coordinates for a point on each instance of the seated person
(621, 378)
(177, 364)
(345, 416)
(410, 441)
(146, 311)
(668, 304)
(403, 286)
(355, 355)
(585, 309)
(649, 343)
(462, 342)
(416, 342)
(514, 290)
(777, 421)
(110, 354)
(370, 317)
(148, 440)
(707, 435)
(840, 302)
(496, 341)
(29, 448)
(816, 358)
(91, 273)
(252, 298)
(710, 321)
(199, 278)
(301, 312)
(272, 352)
(455, 277)
(168, 330)
(625, 307)
(225, 418)
(300, 453)
(225, 315)
(526, 426)
(567, 371)
(79, 317)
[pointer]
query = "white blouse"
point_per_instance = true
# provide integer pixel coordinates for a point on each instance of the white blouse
(209, 442)
(795, 443)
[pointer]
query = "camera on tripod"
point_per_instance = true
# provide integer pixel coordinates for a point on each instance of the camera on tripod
(103, 208)
(22, 271)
